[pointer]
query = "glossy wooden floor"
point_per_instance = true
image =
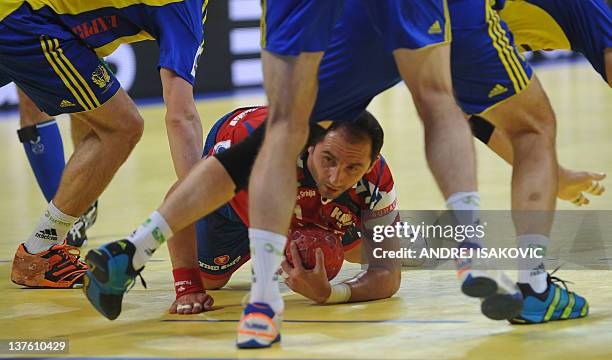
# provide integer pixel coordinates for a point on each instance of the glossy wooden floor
(427, 319)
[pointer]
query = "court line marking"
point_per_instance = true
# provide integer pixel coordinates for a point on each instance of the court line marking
(332, 321)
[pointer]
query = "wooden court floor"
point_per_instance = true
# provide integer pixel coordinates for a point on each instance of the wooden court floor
(427, 319)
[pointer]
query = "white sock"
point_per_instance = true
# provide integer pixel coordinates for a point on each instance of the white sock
(531, 270)
(148, 237)
(52, 229)
(267, 253)
(466, 208)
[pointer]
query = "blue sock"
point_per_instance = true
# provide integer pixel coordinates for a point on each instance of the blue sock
(45, 150)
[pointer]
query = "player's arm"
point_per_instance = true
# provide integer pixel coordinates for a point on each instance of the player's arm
(572, 184)
(182, 122)
(383, 275)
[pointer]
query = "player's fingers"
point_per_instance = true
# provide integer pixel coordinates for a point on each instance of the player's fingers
(173, 308)
(597, 176)
(320, 261)
(295, 257)
(208, 304)
(580, 200)
(286, 267)
(184, 308)
(197, 308)
(596, 188)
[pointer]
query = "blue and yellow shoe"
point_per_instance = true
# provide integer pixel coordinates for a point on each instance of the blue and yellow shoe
(259, 327)
(555, 303)
(500, 298)
(109, 276)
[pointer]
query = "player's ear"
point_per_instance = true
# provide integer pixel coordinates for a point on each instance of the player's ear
(310, 150)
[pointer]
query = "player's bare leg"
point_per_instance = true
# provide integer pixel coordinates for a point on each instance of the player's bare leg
(451, 158)
(529, 122)
(448, 142)
(117, 127)
(44, 147)
(291, 86)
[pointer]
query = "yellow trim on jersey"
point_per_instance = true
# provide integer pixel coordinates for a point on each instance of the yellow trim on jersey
(262, 24)
(501, 50)
(75, 7)
(510, 49)
(109, 48)
(533, 26)
(47, 52)
(76, 73)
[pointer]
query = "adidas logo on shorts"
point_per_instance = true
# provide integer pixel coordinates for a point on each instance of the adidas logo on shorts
(497, 90)
(435, 28)
(66, 103)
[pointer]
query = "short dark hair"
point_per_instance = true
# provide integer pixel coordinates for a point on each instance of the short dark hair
(365, 126)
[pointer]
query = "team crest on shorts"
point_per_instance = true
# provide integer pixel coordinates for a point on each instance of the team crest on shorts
(100, 76)
(221, 260)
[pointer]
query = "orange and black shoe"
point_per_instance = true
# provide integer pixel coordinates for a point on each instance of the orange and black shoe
(60, 267)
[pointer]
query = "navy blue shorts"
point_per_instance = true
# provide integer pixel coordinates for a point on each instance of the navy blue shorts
(486, 66)
(290, 27)
(410, 24)
(51, 65)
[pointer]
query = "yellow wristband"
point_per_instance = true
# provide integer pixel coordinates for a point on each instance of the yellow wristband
(340, 293)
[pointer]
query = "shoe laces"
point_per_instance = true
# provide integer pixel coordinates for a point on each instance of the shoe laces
(557, 280)
(73, 254)
(142, 281)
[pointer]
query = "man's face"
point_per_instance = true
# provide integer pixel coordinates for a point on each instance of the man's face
(337, 164)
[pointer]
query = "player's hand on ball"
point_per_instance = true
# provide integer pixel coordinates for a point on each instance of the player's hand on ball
(193, 303)
(312, 284)
(573, 185)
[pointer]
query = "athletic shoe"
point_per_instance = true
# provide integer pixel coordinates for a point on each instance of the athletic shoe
(76, 235)
(555, 303)
(259, 327)
(91, 215)
(500, 296)
(109, 276)
(59, 267)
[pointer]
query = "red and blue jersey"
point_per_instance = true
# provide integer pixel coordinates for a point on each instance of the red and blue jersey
(373, 196)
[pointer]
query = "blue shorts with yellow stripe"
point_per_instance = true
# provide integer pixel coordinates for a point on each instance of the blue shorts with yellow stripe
(486, 66)
(290, 27)
(50, 64)
(410, 24)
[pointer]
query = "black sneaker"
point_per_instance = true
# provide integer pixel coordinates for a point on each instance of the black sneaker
(76, 236)
(91, 215)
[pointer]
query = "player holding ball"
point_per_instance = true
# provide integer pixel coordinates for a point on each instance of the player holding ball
(342, 178)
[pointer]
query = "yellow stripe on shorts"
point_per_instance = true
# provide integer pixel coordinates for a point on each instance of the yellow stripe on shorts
(510, 48)
(262, 24)
(76, 73)
(500, 52)
(448, 32)
(47, 50)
